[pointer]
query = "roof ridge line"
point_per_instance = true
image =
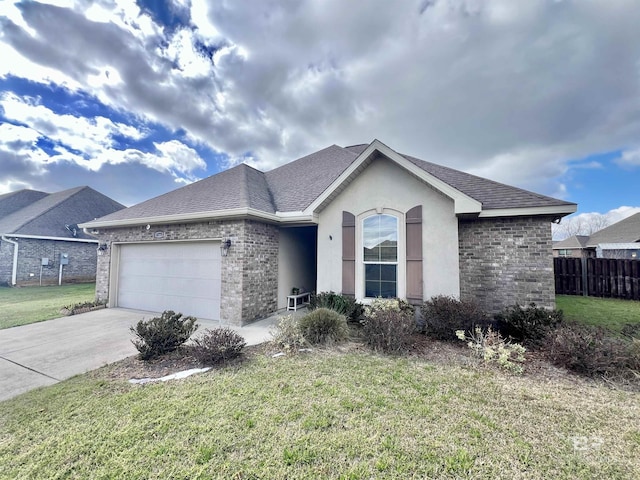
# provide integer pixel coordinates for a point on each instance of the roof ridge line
(29, 220)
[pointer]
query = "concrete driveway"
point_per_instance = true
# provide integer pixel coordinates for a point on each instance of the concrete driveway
(45, 353)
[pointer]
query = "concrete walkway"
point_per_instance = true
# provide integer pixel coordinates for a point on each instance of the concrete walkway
(45, 353)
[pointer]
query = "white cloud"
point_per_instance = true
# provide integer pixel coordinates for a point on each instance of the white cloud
(629, 158)
(508, 91)
(588, 223)
(93, 137)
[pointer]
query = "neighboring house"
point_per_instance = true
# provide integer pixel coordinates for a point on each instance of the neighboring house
(620, 240)
(573, 246)
(362, 220)
(40, 241)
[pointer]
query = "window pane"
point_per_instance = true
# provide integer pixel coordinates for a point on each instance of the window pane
(371, 254)
(388, 273)
(388, 254)
(372, 289)
(388, 289)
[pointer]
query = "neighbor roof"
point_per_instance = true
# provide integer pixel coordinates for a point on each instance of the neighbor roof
(284, 193)
(49, 215)
(14, 201)
(624, 231)
(575, 241)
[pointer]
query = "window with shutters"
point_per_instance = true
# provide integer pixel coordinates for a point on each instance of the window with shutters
(380, 255)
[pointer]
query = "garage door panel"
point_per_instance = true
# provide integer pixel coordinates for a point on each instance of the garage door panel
(184, 277)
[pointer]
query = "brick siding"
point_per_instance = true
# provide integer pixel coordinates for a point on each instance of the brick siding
(249, 271)
(506, 261)
(81, 266)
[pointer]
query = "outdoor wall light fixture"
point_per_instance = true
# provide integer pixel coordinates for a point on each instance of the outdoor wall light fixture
(225, 246)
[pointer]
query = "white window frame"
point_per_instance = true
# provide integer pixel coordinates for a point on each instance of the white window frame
(401, 275)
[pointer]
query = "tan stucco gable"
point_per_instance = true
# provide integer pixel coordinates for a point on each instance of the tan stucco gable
(384, 186)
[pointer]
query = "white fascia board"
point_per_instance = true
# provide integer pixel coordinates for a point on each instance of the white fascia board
(42, 237)
(462, 202)
(561, 210)
(191, 217)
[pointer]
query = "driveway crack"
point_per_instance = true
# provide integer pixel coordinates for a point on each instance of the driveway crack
(29, 368)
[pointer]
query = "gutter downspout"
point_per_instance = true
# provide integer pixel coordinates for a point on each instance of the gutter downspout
(14, 271)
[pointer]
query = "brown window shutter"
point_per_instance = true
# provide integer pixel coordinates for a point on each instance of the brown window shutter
(348, 254)
(414, 255)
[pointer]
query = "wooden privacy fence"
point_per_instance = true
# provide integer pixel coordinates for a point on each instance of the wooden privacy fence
(597, 277)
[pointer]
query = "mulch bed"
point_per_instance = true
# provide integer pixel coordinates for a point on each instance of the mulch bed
(423, 348)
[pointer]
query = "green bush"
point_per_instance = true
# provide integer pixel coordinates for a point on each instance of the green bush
(443, 315)
(595, 351)
(530, 326)
(323, 325)
(162, 334)
(342, 304)
(286, 334)
(217, 345)
(388, 326)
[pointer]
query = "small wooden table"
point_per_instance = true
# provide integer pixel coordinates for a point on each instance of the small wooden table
(292, 300)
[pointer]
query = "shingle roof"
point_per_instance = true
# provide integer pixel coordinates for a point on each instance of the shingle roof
(14, 201)
(575, 241)
(296, 185)
(624, 231)
(48, 216)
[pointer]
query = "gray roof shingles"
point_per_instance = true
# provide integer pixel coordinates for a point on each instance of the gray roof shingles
(14, 201)
(48, 216)
(294, 186)
(624, 231)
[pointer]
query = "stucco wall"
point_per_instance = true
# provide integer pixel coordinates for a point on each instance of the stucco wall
(384, 185)
(81, 266)
(249, 271)
(296, 261)
(507, 261)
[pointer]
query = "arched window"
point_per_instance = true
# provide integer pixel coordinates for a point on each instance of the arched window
(380, 256)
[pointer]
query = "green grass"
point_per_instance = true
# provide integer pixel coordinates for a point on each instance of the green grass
(21, 306)
(605, 312)
(323, 415)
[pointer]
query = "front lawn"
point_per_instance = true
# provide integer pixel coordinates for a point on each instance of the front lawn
(323, 414)
(21, 306)
(605, 312)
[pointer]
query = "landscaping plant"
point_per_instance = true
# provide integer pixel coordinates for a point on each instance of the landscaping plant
(217, 345)
(490, 346)
(286, 334)
(162, 334)
(530, 325)
(323, 326)
(596, 351)
(342, 304)
(443, 315)
(387, 325)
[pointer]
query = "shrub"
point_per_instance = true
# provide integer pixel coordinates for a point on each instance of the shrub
(443, 315)
(324, 326)
(492, 348)
(530, 325)
(217, 345)
(387, 326)
(162, 334)
(286, 334)
(342, 304)
(595, 351)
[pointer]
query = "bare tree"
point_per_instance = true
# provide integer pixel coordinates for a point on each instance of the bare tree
(584, 224)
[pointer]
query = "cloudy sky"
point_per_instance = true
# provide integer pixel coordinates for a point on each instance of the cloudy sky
(137, 98)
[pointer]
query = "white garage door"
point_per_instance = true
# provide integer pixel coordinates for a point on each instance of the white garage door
(180, 276)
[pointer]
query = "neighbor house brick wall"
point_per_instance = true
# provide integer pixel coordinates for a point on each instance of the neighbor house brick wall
(247, 293)
(81, 266)
(506, 261)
